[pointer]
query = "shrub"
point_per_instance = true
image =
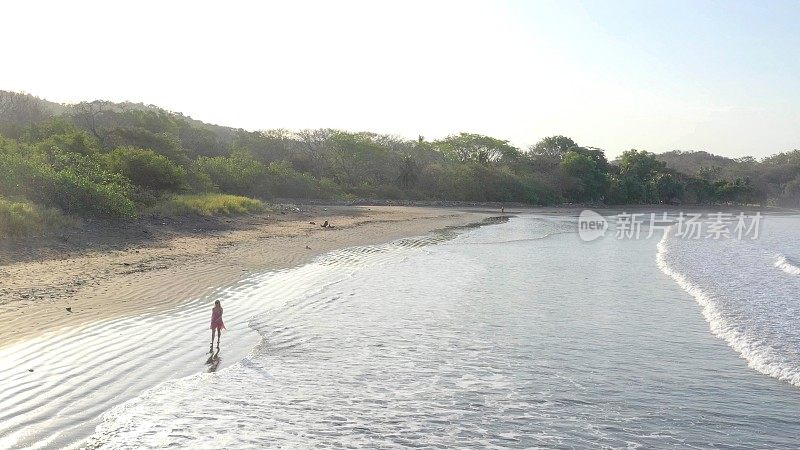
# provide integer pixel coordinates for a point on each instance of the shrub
(237, 174)
(147, 169)
(162, 143)
(284, 181)
(73, 142)
(74, 189)
(328, 189)
(199, 182)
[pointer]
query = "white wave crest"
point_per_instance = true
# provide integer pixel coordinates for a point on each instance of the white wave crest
(759, 357)
(787, 265)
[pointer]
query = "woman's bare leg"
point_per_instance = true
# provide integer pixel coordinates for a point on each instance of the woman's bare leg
(212, 337)
(219, 333)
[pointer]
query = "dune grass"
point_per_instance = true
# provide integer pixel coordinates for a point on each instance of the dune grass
(207, 205)
(22, 218)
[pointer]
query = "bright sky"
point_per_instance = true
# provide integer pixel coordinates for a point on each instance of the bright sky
(720, 76)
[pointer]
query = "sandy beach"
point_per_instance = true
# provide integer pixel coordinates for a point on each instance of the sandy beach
(332, 340)
(115, 273)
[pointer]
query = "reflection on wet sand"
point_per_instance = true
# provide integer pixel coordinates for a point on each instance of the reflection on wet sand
(213, 360)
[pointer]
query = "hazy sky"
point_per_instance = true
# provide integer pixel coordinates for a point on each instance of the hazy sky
(721, 76)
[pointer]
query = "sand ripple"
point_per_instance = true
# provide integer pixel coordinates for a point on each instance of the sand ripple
(54, 388)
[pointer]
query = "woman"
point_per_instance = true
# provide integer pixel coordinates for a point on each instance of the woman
(216, 322)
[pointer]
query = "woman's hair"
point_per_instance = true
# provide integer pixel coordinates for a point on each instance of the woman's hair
(216, 302)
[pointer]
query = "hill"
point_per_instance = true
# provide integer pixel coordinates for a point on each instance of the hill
(122, 160)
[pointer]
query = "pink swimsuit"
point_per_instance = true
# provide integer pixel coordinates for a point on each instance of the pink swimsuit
(216, 319)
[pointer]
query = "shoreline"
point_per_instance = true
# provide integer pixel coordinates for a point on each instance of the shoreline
(106, 271)
(154, 339)
(123, 276)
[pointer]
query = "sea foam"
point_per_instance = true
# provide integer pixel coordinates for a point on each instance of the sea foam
(787, 265)
(731, 327)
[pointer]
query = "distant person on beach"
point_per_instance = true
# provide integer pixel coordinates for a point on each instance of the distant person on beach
(216, 322)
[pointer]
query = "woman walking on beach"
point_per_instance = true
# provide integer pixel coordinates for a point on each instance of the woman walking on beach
(216, 322)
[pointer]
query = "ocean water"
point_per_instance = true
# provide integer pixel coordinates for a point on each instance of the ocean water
(514, 335)
(749, 291)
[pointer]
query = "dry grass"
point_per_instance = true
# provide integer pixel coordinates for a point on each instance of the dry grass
(22, 218)
(207, 205)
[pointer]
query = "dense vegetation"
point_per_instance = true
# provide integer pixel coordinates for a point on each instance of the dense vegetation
(119, 160)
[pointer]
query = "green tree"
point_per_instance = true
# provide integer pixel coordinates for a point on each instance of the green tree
(791, 194)
(640, 164)
(356, 158)
(18, 111)
(553, 146)
(642, 178)
(409, 172)
(589, 176)
(666, 188)
(478, 148)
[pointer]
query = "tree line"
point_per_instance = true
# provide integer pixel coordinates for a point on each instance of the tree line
(114, 159)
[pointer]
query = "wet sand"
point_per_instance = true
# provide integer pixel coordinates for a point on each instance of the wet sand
(120, 276)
